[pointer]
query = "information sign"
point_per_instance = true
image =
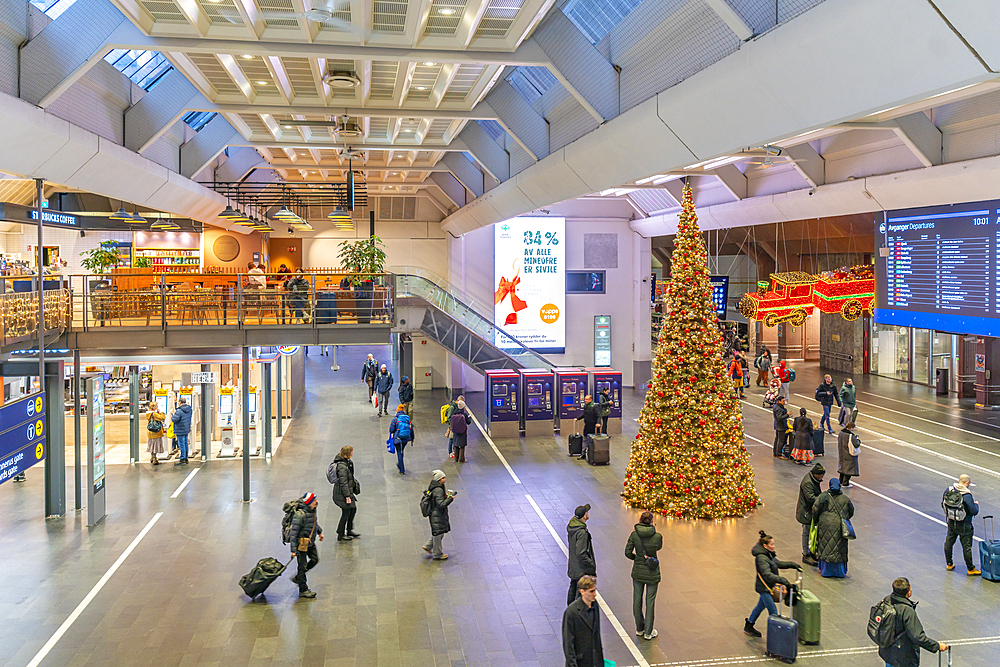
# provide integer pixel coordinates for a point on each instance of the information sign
(204, 377)
(22, 436)
(95, 451)
(529, 274)
(720, 294)
(602, 340)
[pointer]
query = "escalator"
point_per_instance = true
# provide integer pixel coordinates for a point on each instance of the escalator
(456, 322)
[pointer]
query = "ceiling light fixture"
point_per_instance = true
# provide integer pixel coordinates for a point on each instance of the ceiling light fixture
(430, 64)
(421, 87)
(121, 214)
(227, 214)
(446, 11)
(262, 83)
(247, 56)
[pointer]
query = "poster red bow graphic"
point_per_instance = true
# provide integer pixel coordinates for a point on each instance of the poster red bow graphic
(509, 287)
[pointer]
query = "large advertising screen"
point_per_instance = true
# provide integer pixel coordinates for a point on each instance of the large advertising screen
(937, 268)
(529, 271)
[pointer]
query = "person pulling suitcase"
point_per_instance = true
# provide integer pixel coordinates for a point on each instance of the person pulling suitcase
(769, 585)
(590, 416)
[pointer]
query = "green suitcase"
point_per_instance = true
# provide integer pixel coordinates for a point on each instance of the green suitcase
(806, 610)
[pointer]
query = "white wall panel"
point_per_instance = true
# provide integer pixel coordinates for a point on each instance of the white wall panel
(8, 62)
(884, 160)
(972, 143)
(779, 178)
(568, 122)
(519, 158)
(977, 21)
(97, 102)
(165, 151)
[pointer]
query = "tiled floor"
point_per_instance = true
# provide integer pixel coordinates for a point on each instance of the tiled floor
(499, 599)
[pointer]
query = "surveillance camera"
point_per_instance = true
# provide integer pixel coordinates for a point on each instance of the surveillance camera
(291, 231)
(812, 191)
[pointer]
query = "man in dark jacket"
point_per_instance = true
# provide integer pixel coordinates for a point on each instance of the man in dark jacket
(604, 407)
(383, 385)
(960, 529)
(302, 538)
(848, 401)
(905, 651)
(581, 550)
(826, 394)
(440, 524)
(590, 416)
(581, 628)
(345, 492)
(182, 428)
(406, 394)
(402, 433)
(809, 489)
(780, 428)
(368, 373)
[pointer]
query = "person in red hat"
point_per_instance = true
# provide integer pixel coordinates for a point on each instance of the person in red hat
(303, 535)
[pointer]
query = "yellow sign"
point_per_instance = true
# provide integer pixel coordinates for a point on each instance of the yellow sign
(161, 392)
(38, 428)
(187, 391)
(253, 389)
(39, 451)
(225, 390)
(38, 405)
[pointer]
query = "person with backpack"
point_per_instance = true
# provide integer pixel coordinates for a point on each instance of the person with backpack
(402, 434)
(641, 548)
(848, 448)
(959, 507)
(604, 407)
(786, 375)
(154, 433)
(766, 564)
(458, 424)
(301, 528)
(736, 374)
(383, 385)
(581, 550)
(826, 394)
(446, 419)
(368, 374)
(434, 506)
(345, 492)
(181, 419)
(763, 365)
(831, 511)
(894, 626)
(406, 394)
(590, 416)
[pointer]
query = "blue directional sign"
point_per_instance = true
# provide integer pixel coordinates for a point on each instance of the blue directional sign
(22, 435)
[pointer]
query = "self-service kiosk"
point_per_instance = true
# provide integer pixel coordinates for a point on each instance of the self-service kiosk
(606, 378)
(571, 386)
(162, 399)
(227, 421)
(537, 408)
(503, 417)
(254, 417)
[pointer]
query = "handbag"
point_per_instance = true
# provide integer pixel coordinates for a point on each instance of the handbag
(448, 434)
(357, 487)
(651, 561)
(855, 445)
(777, 592)
(813, 537)
(390, 446)
(846, 527)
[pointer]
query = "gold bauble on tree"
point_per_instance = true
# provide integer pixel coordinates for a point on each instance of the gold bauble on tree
(689, 459)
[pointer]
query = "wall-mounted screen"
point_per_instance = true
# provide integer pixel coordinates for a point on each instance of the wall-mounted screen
(720, 294)
(226, 404)
(585, 282)
(530, 283)
(937, 268)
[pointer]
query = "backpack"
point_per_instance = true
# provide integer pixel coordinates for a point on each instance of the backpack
(605, 407)
(154, 426)
(458, 422)
(953, 504)
(756, 362)
(403, 428)
(790, 374)
(882, 623)
(444, 413)
(291, 508)
(426, 503)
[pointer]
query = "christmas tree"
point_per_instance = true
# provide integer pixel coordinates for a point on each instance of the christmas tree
(689, 460)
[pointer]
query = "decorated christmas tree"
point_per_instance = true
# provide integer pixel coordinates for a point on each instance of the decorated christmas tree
(689, 460)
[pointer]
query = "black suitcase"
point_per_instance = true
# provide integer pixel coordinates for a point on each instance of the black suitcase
(818, 441)
(264, 573)
(599, 451)
(575, 444)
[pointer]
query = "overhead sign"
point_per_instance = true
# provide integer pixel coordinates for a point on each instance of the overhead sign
(602, 340)
(55, 218)
(529, 272)
(204, 377)
(22, 435)
(288, 350)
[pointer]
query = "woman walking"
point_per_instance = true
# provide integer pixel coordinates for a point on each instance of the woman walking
(154, 433)
(345, 492)
(439, 498)
(459, 426)
(831, 509)
(642, 546)
(848, 447)
(802, 429)
(767, 566)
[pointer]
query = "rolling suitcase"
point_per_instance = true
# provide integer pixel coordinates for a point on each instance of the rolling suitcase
(575, 444)
(782, 637)
(989, 552)
(599, 451)
(806, 611)
(262, 575)
(818, 447)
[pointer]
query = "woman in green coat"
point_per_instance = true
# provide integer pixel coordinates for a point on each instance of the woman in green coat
(645, 572)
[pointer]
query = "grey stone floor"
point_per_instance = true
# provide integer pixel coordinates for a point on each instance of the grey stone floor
(499, 599)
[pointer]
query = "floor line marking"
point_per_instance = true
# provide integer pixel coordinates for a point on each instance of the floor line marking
(615, 623)
(493, 445)
(44, 651)
(907, 507)
(762, 443)
(931, 421)
(936, 405)
(936, 437)
(185, 482)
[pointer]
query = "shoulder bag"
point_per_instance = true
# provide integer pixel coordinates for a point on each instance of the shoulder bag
(846, 527)
(777, 591)
(640, 550)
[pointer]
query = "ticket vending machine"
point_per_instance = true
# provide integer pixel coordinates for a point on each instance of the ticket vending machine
(254, 417)
(571, 386)
(537, 408)
(162, 399)
(503, 417)
(227, 421)
(606, 378)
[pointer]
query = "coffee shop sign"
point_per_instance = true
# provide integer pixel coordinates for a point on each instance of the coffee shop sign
(54, 218)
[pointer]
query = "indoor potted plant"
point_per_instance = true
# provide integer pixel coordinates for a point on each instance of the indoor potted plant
(98, 261)
(365, 258)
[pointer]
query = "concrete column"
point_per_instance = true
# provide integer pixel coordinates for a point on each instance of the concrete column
(206, 416)
(641, 289)
(265, 381)
(133, 413)
(988, 374)
(245, 410)
(55, 440)
(278, 396)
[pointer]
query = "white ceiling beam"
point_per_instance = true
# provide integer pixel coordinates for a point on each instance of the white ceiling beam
(394, 126)
(417, 13)
(251, 16)
(531, 13)
(732, 179)
(422, 128)
(195, 15)
(186, 67)
(333, 164)
(361, 17)
(453, 130)
(810, 164)
(483, 84)
(309, 29)
(445, 76)
(456, 145)
(292, 156)
(731, 18)
(404, 77)
(236, 74)
(272, 125)
(916, 130)
(317, 66)
(481, 112)
(239, 124)
(280, 76)
(473, 15)
(314, 154)
(365, 89)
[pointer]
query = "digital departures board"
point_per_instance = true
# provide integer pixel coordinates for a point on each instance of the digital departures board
(937, 268)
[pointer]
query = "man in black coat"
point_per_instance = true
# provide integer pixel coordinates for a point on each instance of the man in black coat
(406, 394)
(368, 373)
(304, 531)
(826, 394)
(590, 416)
(905, 651)
(809, 489)
(581, 628)
(780, 428)
(581, 550)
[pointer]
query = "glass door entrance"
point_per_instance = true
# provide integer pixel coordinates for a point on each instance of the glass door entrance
(922, 356)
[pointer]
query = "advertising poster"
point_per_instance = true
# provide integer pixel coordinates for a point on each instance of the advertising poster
(97, 410)
(530, 278)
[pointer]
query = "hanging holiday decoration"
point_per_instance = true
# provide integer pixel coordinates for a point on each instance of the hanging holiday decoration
(794, 294)
(688, 460)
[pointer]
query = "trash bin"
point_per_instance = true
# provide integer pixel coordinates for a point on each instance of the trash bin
(941, 381)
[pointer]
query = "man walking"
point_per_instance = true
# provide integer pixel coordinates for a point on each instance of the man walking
(581, 628)
(590, 415)
(402, 433)
(383, 385)
(406, 394)
(182, 428)
(302, 538)
(780, 427)
(809, 489)
(959, 508)
(763, 365)
(581, 550)
(849, 401)
(368, 374)
(604, 407)
(826, 394)
(905, 651)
